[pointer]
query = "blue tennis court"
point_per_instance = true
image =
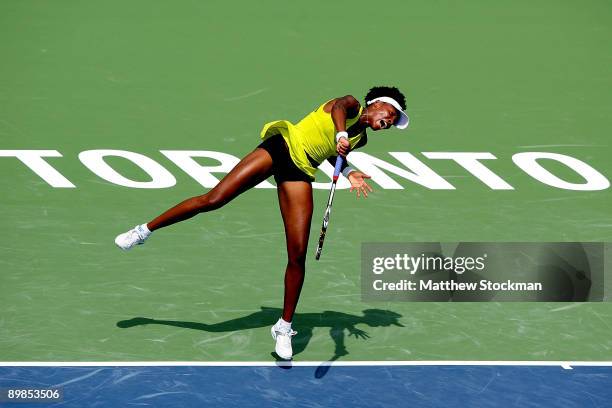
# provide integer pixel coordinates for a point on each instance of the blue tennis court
(319, 385)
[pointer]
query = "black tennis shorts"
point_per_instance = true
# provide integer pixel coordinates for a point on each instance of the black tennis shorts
(284, 169)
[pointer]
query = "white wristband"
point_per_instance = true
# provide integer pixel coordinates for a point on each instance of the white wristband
(347, 171)
(341, 134)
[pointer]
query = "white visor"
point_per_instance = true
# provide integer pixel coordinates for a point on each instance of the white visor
(403, 120)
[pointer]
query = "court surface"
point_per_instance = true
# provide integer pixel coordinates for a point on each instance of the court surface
(149, 77)
(311, 385)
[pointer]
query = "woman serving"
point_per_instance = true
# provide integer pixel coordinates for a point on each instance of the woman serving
(291, 153)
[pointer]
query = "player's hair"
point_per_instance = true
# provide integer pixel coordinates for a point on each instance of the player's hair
(390, 91)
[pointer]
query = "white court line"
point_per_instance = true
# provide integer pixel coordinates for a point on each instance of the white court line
(564, 364)
(561, 145)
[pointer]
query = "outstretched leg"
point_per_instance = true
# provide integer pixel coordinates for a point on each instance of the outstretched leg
(250, 171)
(295, 198)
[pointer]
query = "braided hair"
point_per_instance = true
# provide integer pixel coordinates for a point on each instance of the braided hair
(390, 91)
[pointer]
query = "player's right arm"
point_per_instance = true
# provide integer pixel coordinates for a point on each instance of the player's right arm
(343, 108)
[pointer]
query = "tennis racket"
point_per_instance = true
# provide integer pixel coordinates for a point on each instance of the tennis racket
(339, 162)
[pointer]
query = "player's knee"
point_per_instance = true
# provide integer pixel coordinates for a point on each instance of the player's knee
(215, 201)
(297, 254)
(210, 201)
(297, 261)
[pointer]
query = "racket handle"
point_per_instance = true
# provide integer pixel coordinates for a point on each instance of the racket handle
(338, 168)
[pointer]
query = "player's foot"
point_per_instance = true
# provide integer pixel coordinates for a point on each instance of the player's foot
(136, 236)
(283, 336)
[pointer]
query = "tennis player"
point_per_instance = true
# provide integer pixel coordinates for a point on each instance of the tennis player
(291, 153)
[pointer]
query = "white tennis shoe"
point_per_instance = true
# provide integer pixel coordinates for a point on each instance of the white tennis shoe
(136, 236)
(283, 341)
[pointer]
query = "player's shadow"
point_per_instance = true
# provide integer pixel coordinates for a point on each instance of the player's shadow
(338, 323)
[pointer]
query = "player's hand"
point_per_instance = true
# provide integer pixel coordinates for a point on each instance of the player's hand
(358, 333)
(343, 146)
(358, 182)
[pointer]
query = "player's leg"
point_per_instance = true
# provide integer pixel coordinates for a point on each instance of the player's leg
(295, 199)
(250, 171)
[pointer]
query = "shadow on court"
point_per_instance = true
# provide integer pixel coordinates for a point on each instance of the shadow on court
(339, 325)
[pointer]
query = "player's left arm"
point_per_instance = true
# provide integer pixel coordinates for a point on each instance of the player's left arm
(355, 177)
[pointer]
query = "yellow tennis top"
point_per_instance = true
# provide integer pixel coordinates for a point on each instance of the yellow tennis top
(314, 136)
